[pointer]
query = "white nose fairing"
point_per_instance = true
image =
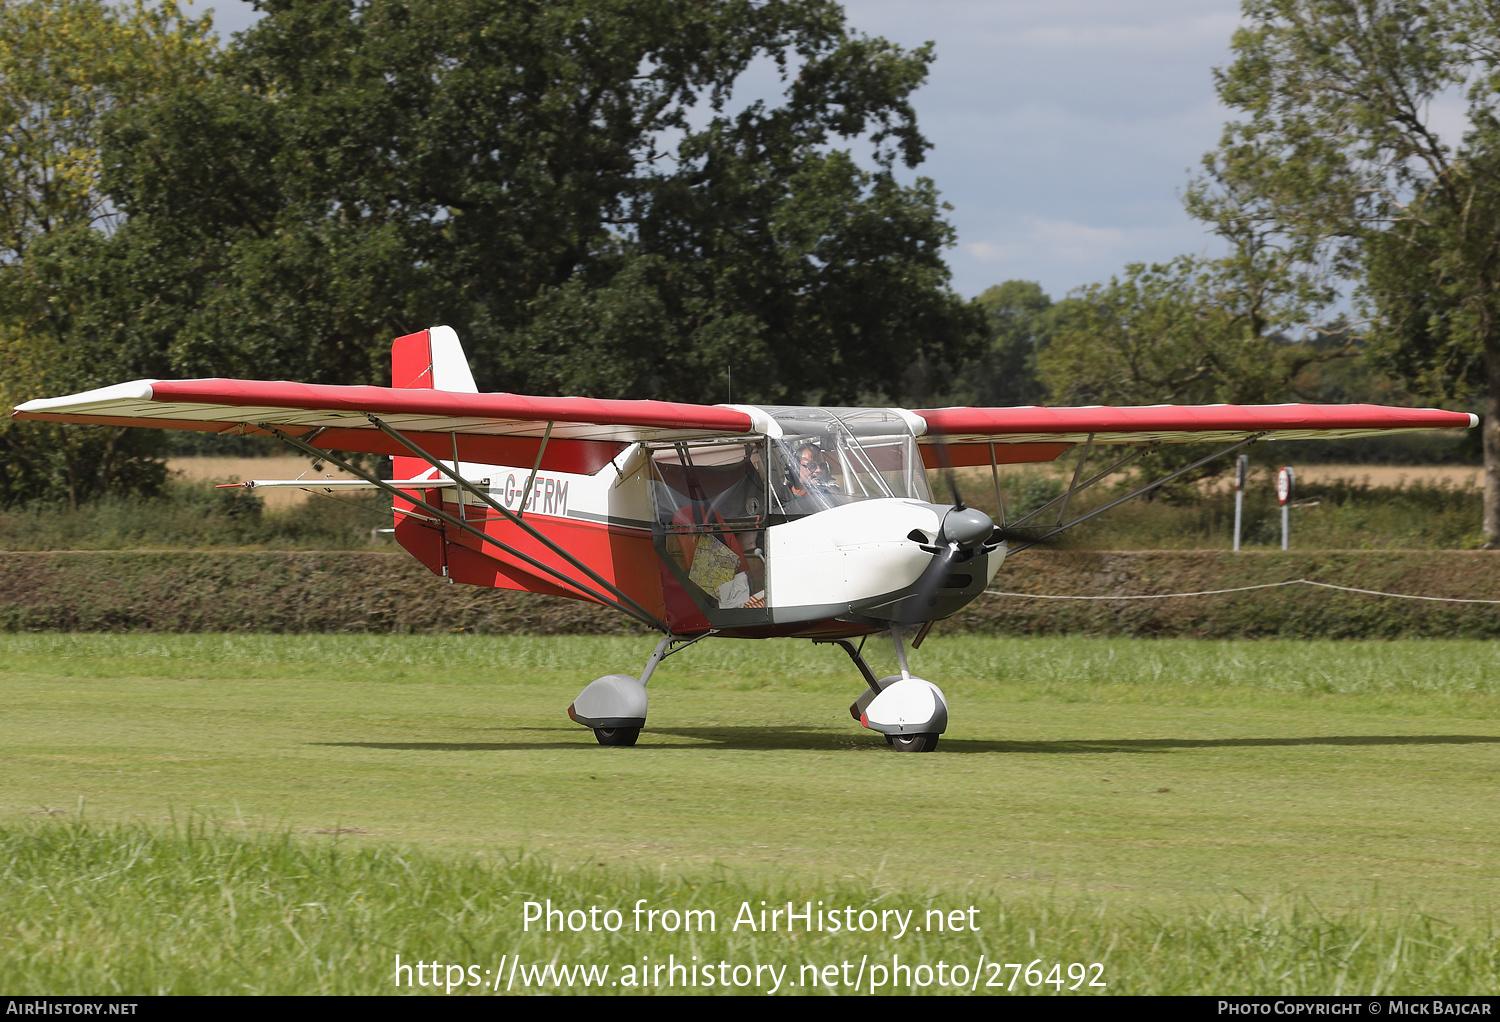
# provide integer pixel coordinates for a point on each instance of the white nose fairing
(874, 563)
(853, 552)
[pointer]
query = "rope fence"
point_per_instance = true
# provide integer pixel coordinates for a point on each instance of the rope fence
(1244, 589)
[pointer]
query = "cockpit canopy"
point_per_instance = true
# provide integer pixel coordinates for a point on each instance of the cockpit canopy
(824, 457)
(830, 456)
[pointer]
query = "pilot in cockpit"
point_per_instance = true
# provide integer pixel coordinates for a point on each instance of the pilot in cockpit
(811, 483)
(813, 475)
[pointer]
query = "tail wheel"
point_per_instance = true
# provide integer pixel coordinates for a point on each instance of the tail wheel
(618, 735)
(925, 742)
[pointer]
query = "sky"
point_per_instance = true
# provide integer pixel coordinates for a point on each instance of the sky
(1063, 131)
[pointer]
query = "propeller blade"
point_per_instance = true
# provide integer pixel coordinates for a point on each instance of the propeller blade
(961, 535)
(1026, 534)
(932, 580)
(945, 461)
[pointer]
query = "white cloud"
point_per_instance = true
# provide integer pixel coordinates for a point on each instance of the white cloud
(986, 252)
(1071, 242)
(1063, 133)
(1052, 241)
(1064, 254)
(1190, 33)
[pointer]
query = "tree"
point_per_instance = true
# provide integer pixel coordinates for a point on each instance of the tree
(65, 66)
(570, 184)
(1018, 319)
(1341, 156)
(1191, 331)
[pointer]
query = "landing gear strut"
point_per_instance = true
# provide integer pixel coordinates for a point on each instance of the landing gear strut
(910, 712)
(614, 706)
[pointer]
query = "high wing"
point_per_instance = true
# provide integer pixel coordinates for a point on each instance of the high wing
(976, 436)
(582, 434)
(586, 433)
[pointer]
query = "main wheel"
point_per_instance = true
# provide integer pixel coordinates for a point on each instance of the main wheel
(924, 742)
(617, 735)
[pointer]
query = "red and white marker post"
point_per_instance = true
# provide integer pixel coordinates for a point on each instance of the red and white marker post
(1284, 480)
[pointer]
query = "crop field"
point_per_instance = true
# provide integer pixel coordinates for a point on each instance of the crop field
(304, 814)
(204, 470)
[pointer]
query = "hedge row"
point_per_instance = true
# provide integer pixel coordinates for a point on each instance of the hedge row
(1286, 612)
(392, 593)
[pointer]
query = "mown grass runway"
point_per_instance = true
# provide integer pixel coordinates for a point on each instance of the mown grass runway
(1205, 816)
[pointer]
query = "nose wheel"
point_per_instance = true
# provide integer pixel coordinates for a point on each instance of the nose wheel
(925, 742)
(617, 735)
(910, 713)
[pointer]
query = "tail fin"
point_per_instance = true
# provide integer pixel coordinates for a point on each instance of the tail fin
(431, 360)
(428, 360)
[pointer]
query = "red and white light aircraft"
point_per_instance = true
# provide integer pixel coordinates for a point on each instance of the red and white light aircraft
(724, 520)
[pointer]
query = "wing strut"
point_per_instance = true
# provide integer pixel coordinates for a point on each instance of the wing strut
(1133, 493)
(995, 471)
(620, 596)
(525, 493)
(1077, 487)
(632, 609)
(1073, 486)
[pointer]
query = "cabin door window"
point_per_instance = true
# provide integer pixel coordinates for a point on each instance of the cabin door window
(710, 502)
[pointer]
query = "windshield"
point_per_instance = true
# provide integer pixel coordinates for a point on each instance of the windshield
(831, 456)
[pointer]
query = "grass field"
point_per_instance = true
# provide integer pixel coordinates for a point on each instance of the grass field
(286, 814)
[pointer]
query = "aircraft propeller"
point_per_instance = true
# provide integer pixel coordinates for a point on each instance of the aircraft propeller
(997, 534)
(964, 531)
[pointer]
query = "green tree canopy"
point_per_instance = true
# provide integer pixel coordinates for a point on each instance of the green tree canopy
(1192, 331)
(65, 67)
(1340, 156)
(575, 185)
(1186, 332)
(1018, 318)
